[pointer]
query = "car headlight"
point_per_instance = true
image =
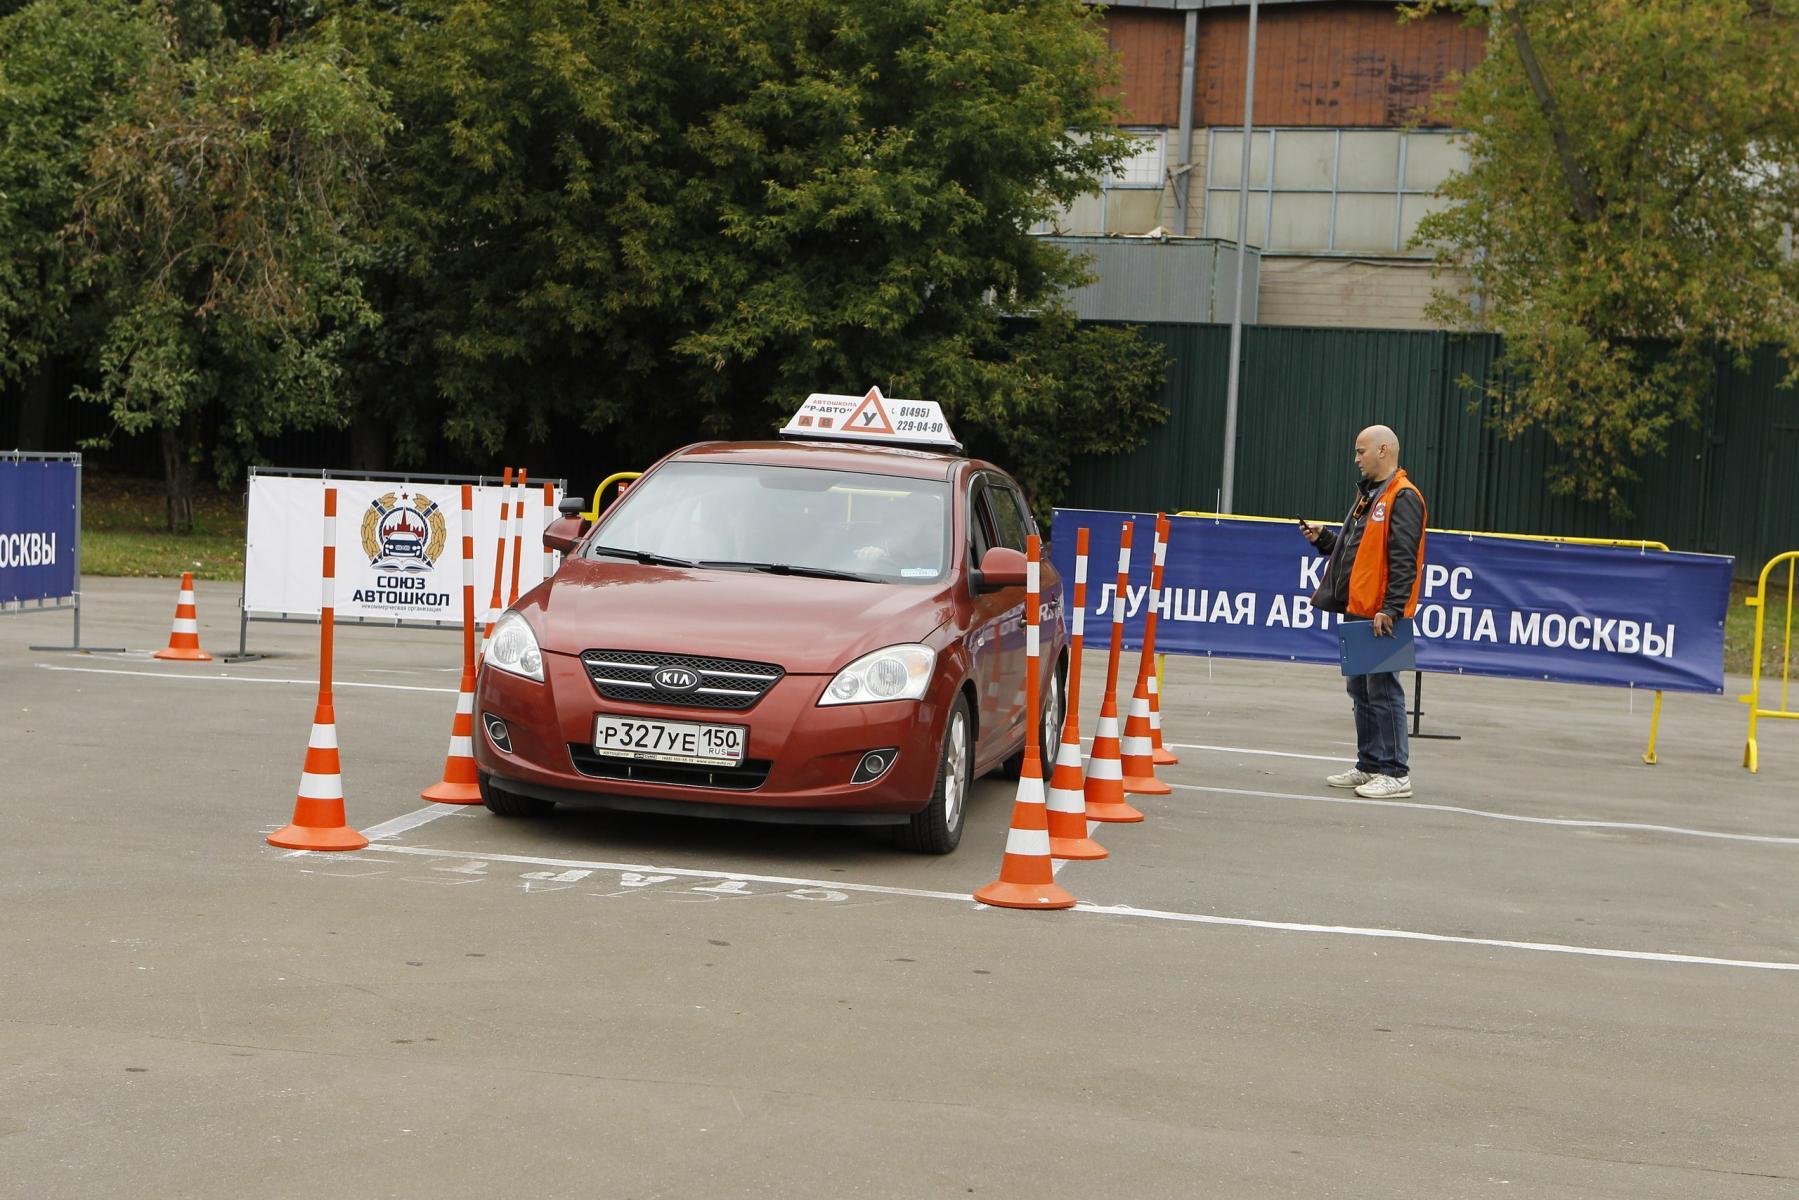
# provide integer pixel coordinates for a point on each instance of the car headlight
(896, 673)
(513, 647)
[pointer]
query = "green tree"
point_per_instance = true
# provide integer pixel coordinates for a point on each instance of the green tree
(674, 220)
(1626, 214)
(222, 224)
(64, 66)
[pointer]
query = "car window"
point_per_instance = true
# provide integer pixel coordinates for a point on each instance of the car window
(1008, 517)
(887, 527)
(981, 537)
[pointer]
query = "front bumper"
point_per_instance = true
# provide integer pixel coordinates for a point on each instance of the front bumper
(798, 763)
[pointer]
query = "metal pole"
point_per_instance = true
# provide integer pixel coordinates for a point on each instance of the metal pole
(1227, 492)
(1183, 182)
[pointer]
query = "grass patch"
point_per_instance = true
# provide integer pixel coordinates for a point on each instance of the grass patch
(1739, 631)
(122, 531)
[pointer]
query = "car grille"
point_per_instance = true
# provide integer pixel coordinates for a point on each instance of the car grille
(725, 683)
(747, 777)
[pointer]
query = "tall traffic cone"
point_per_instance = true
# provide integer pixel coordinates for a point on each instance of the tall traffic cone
(459, 785)
(1105, 767)
(497, 602)
(1138, 753)
(1027, 878)
(1160, 756)
(319, 809)
(1067, 802)
(184, 636)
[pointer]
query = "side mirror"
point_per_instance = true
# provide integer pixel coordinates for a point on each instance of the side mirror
(1000, 568)
(572, 506)
(564, 533)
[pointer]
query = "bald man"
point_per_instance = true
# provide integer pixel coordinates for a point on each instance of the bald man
(1376, 560)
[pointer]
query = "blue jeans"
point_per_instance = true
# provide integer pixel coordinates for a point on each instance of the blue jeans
(1380, 735)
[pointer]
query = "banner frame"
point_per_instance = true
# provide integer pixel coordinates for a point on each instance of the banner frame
(72, 602)
(244, 617)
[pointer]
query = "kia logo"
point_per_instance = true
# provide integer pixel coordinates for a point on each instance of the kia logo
(676, 679)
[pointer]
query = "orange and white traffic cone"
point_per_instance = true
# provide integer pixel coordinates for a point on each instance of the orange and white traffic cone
(497, 602)
(319, 809)
(1027, 878)
(459, 785)
(1105, 766)
(1158, 754)
(1067, 801)
(184, 636)
(1138, 753)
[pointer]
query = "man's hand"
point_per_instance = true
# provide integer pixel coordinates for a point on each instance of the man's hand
(1383, 624)
(1310, 531)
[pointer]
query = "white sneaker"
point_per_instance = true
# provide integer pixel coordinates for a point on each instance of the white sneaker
(1354, 777)
(1385, 787)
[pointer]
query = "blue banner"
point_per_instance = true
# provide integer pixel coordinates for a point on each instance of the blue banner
(37, 528)
(1489, 605)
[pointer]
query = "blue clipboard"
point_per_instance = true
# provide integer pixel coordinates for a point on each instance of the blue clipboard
(1365, 654)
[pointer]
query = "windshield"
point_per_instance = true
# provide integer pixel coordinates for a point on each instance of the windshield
(799, 519)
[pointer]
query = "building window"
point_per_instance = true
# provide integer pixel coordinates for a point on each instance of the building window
(1129, 199)
(1143, 169)
(1331, 191)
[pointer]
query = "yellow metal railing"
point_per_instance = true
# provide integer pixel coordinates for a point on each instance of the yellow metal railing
(593, 510)
(1759, 602)
(1655, 716)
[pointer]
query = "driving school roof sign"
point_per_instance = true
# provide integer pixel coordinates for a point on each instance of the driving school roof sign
(872, 418)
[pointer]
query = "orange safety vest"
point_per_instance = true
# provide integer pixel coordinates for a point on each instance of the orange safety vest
(1368, 574)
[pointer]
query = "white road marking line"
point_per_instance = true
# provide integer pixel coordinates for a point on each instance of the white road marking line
(412, 820)
(336, 683)
(1568, 822)
(1121, 910)
(1329, 758)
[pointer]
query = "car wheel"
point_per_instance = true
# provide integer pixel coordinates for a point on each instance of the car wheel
(1050, 736)
(503, 803)
(937, 828)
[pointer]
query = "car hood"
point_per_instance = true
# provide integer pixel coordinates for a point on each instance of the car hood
(807, 626)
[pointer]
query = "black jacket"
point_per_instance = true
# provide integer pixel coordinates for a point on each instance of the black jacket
(1405, 528)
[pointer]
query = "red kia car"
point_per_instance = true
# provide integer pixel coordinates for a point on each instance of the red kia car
(806, 632)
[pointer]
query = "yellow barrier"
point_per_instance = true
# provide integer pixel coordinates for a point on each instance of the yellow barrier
(1759, 602)
(1655, 716)
(593, 510)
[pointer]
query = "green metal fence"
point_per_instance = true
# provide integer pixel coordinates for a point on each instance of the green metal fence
(1728, 486)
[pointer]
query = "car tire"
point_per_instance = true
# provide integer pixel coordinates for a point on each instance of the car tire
(503, 803)
(937, 828)
(1052, 720)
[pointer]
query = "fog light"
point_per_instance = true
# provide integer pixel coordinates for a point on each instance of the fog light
(874, 764)
(496, 732)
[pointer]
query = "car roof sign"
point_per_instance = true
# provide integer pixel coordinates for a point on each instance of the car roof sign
(919, 424)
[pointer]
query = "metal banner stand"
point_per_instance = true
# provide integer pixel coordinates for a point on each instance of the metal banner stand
(72, 602)
(1418, 711)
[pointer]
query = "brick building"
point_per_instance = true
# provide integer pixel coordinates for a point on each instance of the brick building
(1349, 144)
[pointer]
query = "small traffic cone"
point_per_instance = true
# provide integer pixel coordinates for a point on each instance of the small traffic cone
(1027, 878)
(1139, 768)
(1067, 801)
(184, 637)
(459, 786)
(1160, 756)
(319, 809)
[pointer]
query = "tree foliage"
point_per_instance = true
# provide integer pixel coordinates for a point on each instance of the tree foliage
(221, 226)
(1627, 212)
(674, 220)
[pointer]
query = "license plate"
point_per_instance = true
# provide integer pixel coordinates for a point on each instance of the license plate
(669, 741)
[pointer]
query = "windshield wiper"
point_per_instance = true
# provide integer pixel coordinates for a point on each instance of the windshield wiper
(644, 556)
(794, 569)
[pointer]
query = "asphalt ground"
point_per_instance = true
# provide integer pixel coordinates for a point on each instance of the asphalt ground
(1554, 972)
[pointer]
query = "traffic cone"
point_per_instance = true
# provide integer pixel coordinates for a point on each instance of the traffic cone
(1160, 756)
(1105, 767)
(184, 637)
(1027, 878)
(459, 784)
(319, 809)
(1139, 768)
(1067, 801)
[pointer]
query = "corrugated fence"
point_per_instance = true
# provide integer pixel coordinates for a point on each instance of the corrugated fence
(1729, 486)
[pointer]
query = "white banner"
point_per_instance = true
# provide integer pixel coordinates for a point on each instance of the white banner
(399, 547)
